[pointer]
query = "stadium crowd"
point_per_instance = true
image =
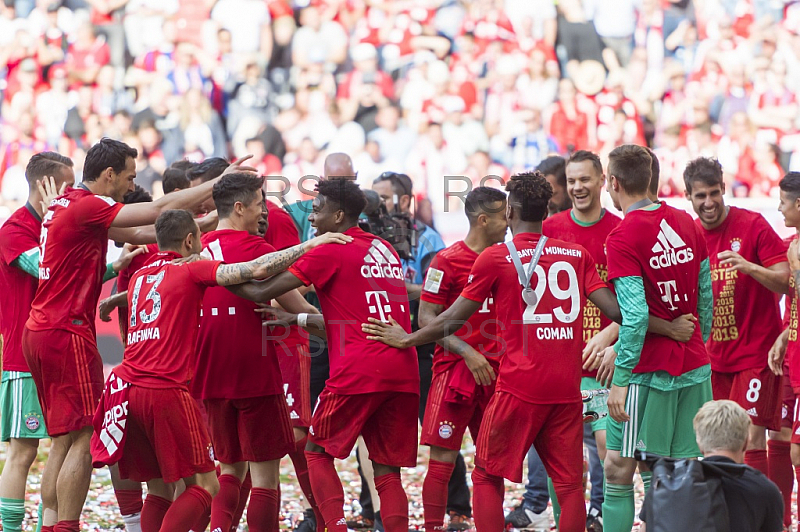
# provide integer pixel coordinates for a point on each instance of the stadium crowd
(425, 87)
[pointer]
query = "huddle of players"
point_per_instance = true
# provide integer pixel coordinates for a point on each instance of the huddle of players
(521, 374)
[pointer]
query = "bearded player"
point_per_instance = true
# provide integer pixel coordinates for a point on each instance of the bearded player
(658, 263)
(464, 364)
(748, 271)
(539, 309)
(59, 341)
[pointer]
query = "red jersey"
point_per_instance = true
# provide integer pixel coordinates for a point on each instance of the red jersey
(592, 237)
(123, 279)
(543, 342)
(234, 360)
(164, 303)
(356, 281)
(73, 246)
(18, 236)
(665, 248)
(792, 345)
(444, 282)
(746, 314)
(281, 229)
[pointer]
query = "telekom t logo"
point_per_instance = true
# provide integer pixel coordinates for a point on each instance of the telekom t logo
(379, 304)
(668, 296)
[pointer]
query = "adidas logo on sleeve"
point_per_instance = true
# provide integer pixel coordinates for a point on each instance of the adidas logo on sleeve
(380, 263)
(670, 249)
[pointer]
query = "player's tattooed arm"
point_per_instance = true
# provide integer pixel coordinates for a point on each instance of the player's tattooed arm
(264, 266)
(264, 291)
(477, 363)
(394, 335)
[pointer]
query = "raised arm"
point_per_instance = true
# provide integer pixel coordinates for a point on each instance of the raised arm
(266, 291)
(191, 198)
(443, 325)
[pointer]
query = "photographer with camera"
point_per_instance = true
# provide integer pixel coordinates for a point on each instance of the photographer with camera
(417, 244)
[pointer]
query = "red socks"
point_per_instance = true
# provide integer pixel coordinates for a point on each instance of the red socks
(757, 459)
(394, 502)
(68, 526)
(434, 494)
(225, 503)
(780, 472)
(153, 512)
(301, 469)
(487, 500)
(573, 507)
(327, 490)
(263, 510)
(184, 511)
(130, 501)
(244, 494)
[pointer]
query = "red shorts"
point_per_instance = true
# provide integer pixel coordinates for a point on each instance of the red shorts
(758, 391)
(238, 432)
(68, 373)
(166, 437)
(446, 422)
(386, 420)
(295, 364)
(796, 421)
(787, 409)
(511, 425)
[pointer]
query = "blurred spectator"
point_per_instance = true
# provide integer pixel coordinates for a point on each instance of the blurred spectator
(530, 148)
(318, 38)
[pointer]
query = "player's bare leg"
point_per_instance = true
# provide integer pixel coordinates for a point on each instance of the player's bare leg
(262, 512)
(224, 505)
(13, 481)
(129, 499)
(196, 500)
(74, 478)
(368, 471)
(158, 501)
(434, 487)
(600, 438)
(780, 468)
(59, 447)
(618, 507)
(394, 502)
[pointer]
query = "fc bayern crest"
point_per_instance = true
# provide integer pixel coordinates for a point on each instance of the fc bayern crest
(736, 245)
(211, 452)
(445, 430)
(32, 422)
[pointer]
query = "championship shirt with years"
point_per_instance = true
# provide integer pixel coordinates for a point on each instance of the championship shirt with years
(234, 358)
(444, 282)
(72, 255)
(356, 281)
(793, 342)
(592, 237)
(164, 301)
(746, 314)
(19, 235)
(665, 248)
(542, 342)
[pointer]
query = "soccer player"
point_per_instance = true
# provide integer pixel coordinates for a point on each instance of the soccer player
(587, 223)
(464, 364)
(239, 393)
(164, 438)
(372, 390)
(59, 340)
(748, 268)
(537, 398)
(657, 260)
(21, 421)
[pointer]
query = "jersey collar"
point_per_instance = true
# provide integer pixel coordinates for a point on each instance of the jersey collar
(33, 211)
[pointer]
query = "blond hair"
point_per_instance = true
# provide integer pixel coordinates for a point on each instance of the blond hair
(721, 426)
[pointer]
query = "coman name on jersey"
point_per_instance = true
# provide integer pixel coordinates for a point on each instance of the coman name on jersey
(151, 333)
(554, 333)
